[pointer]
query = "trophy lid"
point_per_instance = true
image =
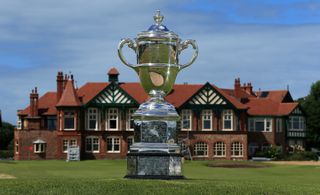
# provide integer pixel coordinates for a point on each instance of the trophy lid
(158, 30)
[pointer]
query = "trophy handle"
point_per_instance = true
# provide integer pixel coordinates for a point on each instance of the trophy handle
(131, 44)
(184, 45)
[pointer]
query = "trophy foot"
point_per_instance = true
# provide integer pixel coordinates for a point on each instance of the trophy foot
(156, 108)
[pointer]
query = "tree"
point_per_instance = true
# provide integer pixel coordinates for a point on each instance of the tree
(311, 105)
(6, 135)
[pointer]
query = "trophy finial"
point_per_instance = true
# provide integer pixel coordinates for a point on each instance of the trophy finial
(158, 17)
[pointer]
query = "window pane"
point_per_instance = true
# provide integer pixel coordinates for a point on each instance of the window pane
(227, 124)
(113, 124)
(69, 123)
(92, 124)
(259, 125)
(206, 124)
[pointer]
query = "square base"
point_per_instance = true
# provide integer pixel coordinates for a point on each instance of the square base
(154, 166)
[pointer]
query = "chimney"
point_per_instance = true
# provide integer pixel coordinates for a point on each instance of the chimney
(59, 85)
(34, 101)
(237, 88)
(249, 88)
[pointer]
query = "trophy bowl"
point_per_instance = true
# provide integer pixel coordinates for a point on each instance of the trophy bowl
(157, 66)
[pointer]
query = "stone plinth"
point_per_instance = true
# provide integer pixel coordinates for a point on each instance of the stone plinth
(154, 165)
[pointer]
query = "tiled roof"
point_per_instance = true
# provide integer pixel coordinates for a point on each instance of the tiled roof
(69, 96)
(90, 90)
(47, 104)
(270, 105)
(267, 106)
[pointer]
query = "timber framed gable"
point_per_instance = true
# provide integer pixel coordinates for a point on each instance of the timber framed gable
(113, 95)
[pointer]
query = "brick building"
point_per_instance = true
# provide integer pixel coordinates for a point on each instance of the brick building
(215, 123)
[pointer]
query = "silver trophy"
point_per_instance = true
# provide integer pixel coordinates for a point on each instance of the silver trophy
(157, 51)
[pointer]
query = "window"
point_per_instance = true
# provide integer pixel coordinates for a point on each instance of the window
(93, 119)
(186, 120)
(278, 125)
(130, 141)
(19, 124)
(236, 149)
(206, 119)
(201, 149)
(92, 144)
(227, 119)
(52, 122)
(113, 145)
(17, 147)
(260, 124)
(68, 143)
(219, 149)
(296, 123)
(113, 119)
(130, 125)
(69, 122)
(38, 147)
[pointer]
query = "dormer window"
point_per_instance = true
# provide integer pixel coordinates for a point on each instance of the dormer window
(69, 120)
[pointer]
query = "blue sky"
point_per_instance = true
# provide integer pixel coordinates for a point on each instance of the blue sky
(272, 44)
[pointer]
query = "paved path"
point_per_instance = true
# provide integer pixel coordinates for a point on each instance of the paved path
(313, 163)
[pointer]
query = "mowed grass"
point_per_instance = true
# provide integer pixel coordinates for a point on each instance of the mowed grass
(106, 177)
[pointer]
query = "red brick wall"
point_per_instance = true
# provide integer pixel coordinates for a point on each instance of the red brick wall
(26, 138)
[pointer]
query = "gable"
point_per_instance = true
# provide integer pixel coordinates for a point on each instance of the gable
(113, 94)
(297, 111)
(207, 96)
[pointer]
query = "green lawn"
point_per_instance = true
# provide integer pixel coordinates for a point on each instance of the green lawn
(106, 177)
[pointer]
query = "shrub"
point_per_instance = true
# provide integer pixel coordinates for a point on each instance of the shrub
(300, 156)
(6, 154)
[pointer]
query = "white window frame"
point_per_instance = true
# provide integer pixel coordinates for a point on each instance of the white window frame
(279, 125)
(92, 143)
(200, 146)
(113, 141)
(91, 114)
(266, 121)
(69, 116)
(301, 120)
(236, 147)
(109, 115)
(19, 123)
(39, 148)
(130, 113)
(227, 115)
(207, 115)
(186, 114)
(66, 143)
(219, 147)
